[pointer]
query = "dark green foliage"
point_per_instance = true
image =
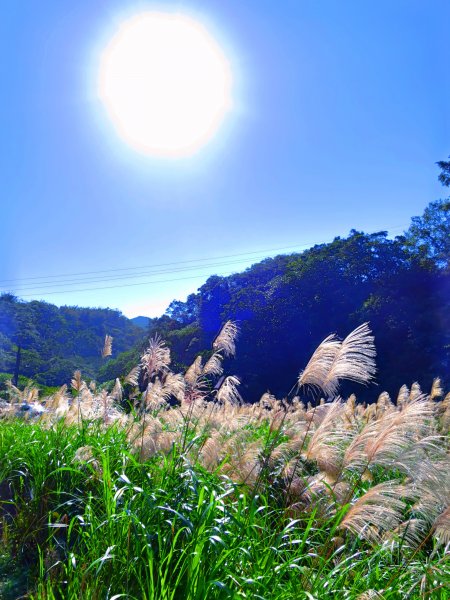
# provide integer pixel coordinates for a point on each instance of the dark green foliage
(444, 176)
(56, 341)
(428, 238)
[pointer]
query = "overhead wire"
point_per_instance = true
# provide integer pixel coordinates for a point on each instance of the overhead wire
(110, 287)
(161, 264)
(82, 273)
(72, 282)
(38, 286)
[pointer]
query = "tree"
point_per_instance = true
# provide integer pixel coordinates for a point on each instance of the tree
(184, 312)
(444, 176)
(428, 238)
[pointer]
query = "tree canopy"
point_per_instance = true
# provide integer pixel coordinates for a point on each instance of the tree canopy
(444, 176)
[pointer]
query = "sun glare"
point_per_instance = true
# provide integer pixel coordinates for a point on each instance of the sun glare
(165, 83)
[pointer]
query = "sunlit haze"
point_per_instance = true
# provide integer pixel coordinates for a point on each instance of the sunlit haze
(165, 83)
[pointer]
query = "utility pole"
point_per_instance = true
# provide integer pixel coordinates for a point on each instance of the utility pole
(17, 367)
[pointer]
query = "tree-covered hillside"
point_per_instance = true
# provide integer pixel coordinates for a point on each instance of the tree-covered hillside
(401, 286)
(55, 341)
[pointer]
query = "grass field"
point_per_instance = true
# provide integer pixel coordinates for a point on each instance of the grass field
(182, 491)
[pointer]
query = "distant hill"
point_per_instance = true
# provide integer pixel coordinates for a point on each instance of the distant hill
(56, 341)
(142, 322)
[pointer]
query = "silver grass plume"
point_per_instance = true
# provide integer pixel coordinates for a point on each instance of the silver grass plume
(194, 371)
(410, 532)
(379, 510)
(353, 359)
(173, 385)
(228, 393)
(213, 365)
(105, 402)
(442, 527)
(425, 463)
(226, 339)
(154, 396)
(403, 395)
(156, 359)
(445, 413)
(15, 395)
(384, 403)
(436, 389)
(327, 442)
(77, 383)
(431, 485)
(415, 392)
(133, 376)
(211, 451)
(117, 391)
(58, 402)
(446, 401)
(320, 363)
(107, 346)
(384, 440)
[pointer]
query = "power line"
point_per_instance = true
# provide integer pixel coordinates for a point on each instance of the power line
(110, 287)
(39, 287)
(196, 260)
(71, 282)
(157, 265)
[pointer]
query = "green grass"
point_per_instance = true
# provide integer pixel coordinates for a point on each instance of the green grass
(110, 526)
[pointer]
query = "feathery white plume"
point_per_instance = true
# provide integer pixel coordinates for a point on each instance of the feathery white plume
(107, 346)
(352, 358)
(226, 339)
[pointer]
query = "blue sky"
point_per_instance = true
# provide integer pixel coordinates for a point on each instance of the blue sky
(340, 111)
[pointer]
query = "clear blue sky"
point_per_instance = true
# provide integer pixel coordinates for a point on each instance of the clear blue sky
(340, 111)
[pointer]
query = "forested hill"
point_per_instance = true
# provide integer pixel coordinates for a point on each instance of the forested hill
(56, 341)
(286, 305)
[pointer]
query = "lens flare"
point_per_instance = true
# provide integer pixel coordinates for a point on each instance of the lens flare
(165, 83)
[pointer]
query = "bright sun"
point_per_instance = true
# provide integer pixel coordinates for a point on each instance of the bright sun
(165, 83)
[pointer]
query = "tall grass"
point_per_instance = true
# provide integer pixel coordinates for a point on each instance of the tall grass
(191, 494)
